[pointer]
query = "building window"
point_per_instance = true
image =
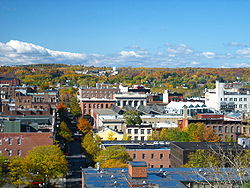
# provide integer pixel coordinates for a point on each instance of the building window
(1, 141)
(232, 129)
(152, 166)
(225, 99)
(10, 141)
(161, 166)
(107, 105)
(134, 156)
(220, 129)
(226, 129)
(238, 129)
(129, 131)
(245, 105)
(136, 138)
(161, 155)
(143, 156)
(19, 141)
(19, 152)
(245, 99)
(148, 131)
(240, 99)
(142, 131)
(235, 99)
(136, 131)
(152, 155)
(142, 138)
(231, 99)
(240, 105)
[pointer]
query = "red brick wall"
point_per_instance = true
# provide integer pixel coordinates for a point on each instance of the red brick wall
(28, 141)
(87, 106)
(137, 172)
(210, 116)
(153, 162)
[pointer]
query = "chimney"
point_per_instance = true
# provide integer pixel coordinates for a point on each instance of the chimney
(138, 169)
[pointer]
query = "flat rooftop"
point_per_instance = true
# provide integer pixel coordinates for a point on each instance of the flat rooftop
(165, 177)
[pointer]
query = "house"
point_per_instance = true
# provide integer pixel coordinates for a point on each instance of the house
(109, 134)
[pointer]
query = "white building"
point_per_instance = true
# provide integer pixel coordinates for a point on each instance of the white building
(139, 132)
(227, 99)
(191, 108)
(131, 99)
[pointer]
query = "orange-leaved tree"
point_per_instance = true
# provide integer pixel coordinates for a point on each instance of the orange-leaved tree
(83, 125)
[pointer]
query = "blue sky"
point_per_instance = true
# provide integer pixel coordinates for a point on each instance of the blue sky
(206, 33)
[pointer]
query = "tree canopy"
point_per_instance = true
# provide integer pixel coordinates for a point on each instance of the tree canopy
(132, 117)
(116, 154)
(84, 125)
(65, 132)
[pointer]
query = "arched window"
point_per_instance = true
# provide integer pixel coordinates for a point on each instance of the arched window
(232, 129)
(238, 129)
(226, 129)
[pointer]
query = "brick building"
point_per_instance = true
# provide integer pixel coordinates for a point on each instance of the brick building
(18, 144)
(96, 98)
(155, 153)
(181, 150)
(10, 81)
(225, 129)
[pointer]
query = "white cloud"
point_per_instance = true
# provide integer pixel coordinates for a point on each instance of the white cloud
(129, 54)
(237, 44)
(208, 54)
(16, 53)
(245, 52)
(195, 63)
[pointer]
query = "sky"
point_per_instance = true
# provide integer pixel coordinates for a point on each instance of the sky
(149, 33)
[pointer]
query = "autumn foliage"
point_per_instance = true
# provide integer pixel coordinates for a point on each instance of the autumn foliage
(83, 125)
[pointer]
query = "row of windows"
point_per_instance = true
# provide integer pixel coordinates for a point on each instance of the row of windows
(10, 152)
(234, 99)
(10, 141)
(152, 156)
(136, 131)
(241, 106)
(227, 129)
(97, 96)
(88, 91)
(96, 105)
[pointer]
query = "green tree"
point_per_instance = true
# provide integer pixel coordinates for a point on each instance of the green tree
(65, 132)
(3, 166)
(46, 162)
(202, 159)
(91, 143)
(132, 117)
(113, 153)
(198, 132)
(75, 107)
(174, 134)
(18, 171)
(114, 163)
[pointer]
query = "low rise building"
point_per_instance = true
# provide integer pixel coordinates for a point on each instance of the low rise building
(155, 153)
(139, 132)
(181, 150)
(228, 98)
